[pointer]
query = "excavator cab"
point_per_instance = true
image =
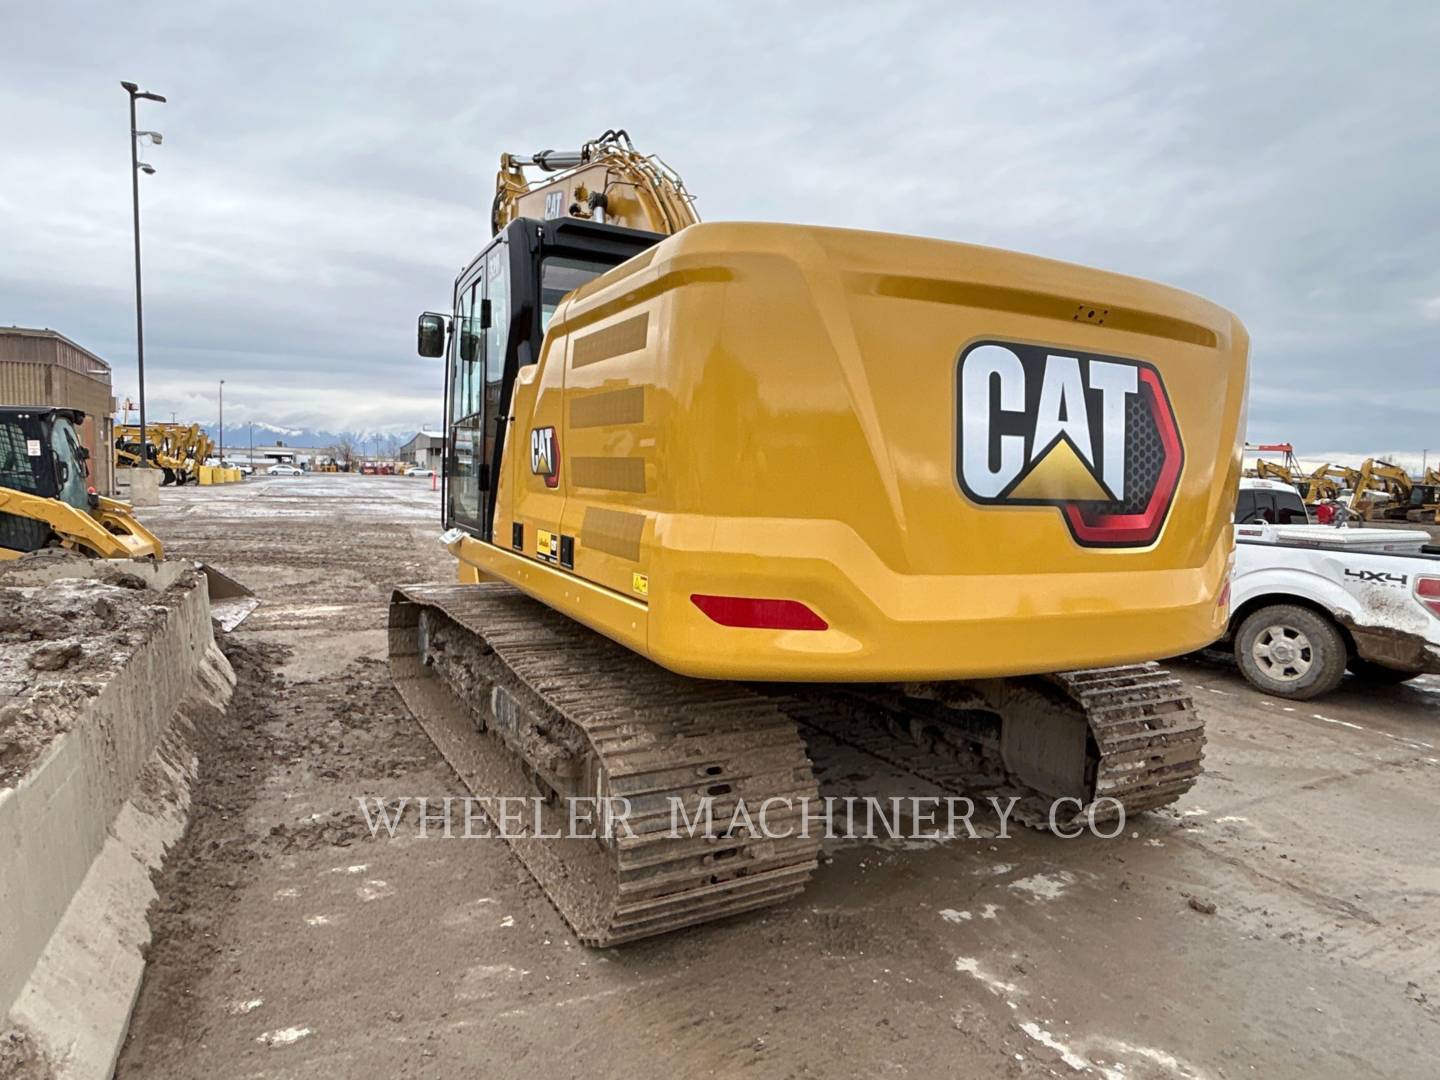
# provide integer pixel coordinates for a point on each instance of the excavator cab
(503, 302)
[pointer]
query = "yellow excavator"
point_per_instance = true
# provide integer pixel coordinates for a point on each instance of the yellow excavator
(713, 487)
(1424, 505)
(45, 500)
(1326, 483)
(1382, 492)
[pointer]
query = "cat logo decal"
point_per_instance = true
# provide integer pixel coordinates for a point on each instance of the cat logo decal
(545, 455)
(1094, 436)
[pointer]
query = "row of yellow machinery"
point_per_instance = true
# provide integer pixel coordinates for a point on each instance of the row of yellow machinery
(1376, 491)
(180, 450)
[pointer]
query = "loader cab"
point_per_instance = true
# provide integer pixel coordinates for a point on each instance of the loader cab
(502, 306)
(41, 455)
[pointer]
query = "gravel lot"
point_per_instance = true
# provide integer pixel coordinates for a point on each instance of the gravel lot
(291, 944)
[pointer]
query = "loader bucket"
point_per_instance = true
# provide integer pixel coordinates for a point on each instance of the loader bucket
(230, 602)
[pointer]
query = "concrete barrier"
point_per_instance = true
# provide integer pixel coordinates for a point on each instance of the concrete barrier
(138, 487)
(84, 828)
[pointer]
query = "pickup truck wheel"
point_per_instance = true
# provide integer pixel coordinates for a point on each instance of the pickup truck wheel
(1290, 652)
(1379, 673)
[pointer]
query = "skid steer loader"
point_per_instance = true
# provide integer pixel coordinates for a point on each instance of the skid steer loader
(714, 486)
(46, 502)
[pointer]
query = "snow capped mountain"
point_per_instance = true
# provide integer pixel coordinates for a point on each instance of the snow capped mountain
(379, 441)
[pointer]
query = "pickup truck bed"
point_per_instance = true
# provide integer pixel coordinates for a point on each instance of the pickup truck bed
(1309, 602)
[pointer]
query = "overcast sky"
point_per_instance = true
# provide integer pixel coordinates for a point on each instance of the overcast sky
(328, 167)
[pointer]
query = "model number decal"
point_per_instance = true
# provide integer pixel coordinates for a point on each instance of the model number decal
(1378, 577)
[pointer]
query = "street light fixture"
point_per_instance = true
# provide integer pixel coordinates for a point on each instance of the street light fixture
(136, 168)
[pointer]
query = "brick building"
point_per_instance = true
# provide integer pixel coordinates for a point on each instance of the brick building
(41, 367)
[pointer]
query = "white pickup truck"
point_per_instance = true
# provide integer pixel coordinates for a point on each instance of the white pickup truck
(1309, 601)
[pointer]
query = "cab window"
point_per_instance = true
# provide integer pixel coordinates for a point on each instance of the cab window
(560, 275)
(1245, 507)
(1290, 509)
(467, 387)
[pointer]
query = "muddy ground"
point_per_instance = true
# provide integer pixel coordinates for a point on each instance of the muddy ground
(291, 944)
(60, 641)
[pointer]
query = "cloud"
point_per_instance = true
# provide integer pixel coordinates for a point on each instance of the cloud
(327, 169)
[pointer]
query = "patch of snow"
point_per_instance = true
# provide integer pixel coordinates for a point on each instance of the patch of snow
(995, 870)
(970, 966)
(1045, 886)
(1067, 1055)
(374, 890)
(284, 1036)
(951, 915)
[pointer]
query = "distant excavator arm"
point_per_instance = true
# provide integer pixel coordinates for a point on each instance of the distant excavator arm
(1268, 470)
(607, 181)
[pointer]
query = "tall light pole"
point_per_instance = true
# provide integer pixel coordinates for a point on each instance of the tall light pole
(136, 166)
(222, 423)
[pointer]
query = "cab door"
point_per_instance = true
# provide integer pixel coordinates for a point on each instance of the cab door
(465, 406)
(477, 365)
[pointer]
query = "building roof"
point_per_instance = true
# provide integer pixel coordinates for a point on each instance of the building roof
(53, 335)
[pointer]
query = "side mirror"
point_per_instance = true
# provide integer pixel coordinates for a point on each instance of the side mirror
(431, 335)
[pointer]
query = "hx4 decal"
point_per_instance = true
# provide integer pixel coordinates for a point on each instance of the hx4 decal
(545, 455)
(1092, 435)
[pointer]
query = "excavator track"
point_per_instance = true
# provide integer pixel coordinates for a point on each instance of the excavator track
(1114, 740)
(564, 712)
(524, 702)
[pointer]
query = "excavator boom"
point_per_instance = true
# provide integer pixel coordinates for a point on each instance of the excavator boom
(606, 181)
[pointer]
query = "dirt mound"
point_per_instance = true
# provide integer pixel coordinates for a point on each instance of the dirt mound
(59, 641)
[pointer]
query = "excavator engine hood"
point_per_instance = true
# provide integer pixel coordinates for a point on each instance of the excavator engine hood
(936, 460)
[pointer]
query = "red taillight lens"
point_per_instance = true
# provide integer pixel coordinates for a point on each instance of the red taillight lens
(1427, 591)
(758, 614)
(1223, 604)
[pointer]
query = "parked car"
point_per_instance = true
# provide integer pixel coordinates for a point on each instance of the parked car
(284, 470)
(421, 472)
(1310, 601)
